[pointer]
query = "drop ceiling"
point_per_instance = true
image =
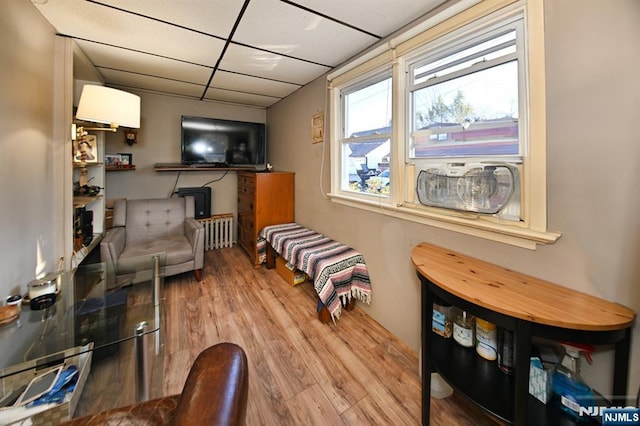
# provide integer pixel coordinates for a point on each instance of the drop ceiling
(249, 52)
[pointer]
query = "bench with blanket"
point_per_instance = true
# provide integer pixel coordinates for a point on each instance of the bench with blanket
(339, 273)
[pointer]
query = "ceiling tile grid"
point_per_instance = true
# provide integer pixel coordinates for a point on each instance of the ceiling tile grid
(380, 17)
(298, 33)
(268, 65)
(251, 52)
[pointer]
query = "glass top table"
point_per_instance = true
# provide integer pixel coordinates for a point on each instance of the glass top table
(98, 308)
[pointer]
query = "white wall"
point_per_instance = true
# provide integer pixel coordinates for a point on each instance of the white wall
(30, 214)
(159, 142)
(593, 152)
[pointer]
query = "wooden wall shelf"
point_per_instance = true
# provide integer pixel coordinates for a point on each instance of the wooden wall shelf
(120, 168)
(177, 167)
(82, 201)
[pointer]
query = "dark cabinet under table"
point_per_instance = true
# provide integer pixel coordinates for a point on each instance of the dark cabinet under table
(528, 306)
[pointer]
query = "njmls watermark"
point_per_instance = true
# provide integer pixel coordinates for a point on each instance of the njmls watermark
(612, 415)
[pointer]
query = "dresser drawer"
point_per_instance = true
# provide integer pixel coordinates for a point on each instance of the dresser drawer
(248, 243)
(247, 239)
(248, 223)
(247, 185)
(246, 204)
(249, 191)
(246, 220)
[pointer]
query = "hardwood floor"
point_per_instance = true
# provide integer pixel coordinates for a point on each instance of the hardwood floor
(302, 372)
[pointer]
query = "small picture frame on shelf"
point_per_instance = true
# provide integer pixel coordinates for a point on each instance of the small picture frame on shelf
(126, 159)
(85, 149)
(112, 159)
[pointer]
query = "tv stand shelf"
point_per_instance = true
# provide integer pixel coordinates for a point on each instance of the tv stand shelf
(524, 304)
(178, 167)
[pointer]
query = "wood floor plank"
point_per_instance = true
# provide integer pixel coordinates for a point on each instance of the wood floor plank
(175, 373)
(312, 408)
(381, 407)
(344, 383)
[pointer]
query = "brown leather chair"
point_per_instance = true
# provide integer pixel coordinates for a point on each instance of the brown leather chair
(215, 393)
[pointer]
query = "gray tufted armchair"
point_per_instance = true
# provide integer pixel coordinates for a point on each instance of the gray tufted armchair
(144, 227)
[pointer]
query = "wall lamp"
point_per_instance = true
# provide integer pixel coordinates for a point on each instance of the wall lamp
(104, 105)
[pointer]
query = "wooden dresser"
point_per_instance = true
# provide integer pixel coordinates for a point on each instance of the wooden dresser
(263, 199)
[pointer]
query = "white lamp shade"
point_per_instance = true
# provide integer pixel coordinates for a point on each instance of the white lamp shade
(109, 106)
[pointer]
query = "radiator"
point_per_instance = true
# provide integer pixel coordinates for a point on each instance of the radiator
(218, 231)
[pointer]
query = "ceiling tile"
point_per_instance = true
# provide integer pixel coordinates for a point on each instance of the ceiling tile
(244, 83)
(103, 56)
(380, 17)
(134, 81)
(106, 25)
(292, 31)
(240, 98)
(268, 65)
(207, 16)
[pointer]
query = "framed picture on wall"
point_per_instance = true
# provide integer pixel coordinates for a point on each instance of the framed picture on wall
(317, 127)
(85, 149)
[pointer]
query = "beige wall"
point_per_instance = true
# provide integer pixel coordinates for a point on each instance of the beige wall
(30, 176)
(593, 151)
(159, 142)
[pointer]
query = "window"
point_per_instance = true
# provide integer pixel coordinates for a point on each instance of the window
(466, 103)
(464, 123)
(366, 137)
(446, 126)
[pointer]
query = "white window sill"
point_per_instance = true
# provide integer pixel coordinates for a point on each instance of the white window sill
(465, 223)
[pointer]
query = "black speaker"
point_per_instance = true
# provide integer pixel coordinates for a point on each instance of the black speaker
(202, 197)
(87, 226)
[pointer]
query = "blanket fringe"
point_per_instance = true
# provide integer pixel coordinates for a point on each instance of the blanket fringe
(363, 296)
(357, 293)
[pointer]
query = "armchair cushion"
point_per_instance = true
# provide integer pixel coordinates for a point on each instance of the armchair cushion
(177, 248)
(149, 220)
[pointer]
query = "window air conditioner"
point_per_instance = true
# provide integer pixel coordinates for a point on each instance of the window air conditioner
(471, 187)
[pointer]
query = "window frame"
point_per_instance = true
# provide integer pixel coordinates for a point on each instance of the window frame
(397, 53)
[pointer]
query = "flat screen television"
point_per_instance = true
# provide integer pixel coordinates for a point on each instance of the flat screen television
(216, 141)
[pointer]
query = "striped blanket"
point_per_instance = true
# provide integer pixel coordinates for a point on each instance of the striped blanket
(338, 271)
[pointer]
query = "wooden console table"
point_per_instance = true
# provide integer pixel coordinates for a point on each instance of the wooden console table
(524, 304)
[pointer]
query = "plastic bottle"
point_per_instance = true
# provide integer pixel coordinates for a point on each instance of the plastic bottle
(441, 321)
(464, 329)
(439, 388)
(569, 391)
(505, 350)
(486, 339)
